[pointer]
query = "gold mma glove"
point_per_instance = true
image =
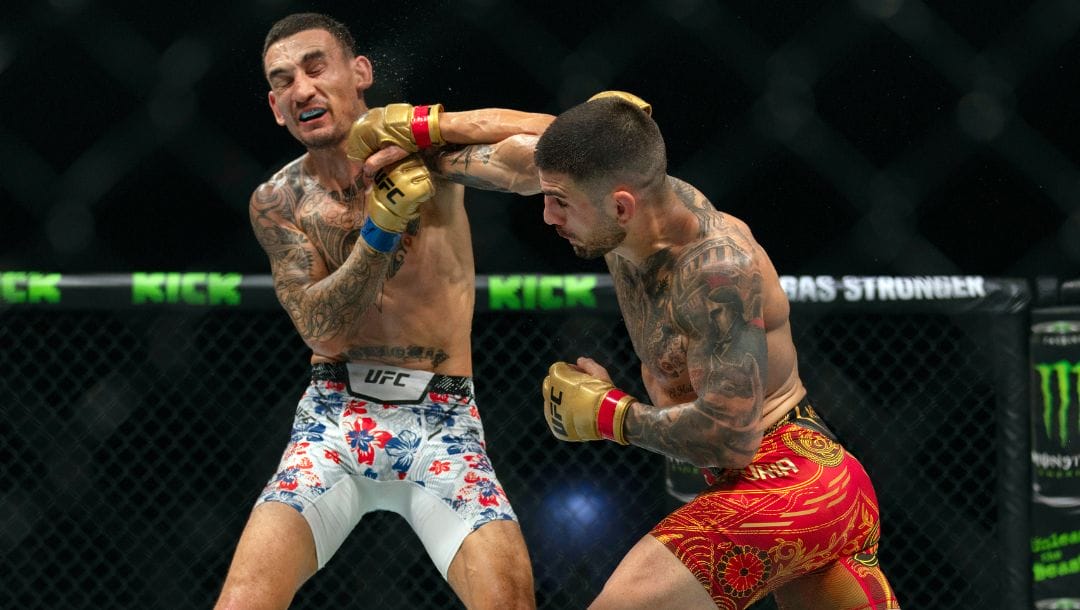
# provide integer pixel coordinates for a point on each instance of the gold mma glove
(580, 407)
(410, 127)
(645, 107)
(395, 200)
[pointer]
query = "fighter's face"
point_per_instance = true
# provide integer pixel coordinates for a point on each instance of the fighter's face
(591, 231)
(316, 88)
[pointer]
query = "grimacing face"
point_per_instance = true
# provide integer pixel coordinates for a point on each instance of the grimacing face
(576, 218)
(315, 87)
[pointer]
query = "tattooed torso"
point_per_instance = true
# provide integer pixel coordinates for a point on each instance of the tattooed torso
(411, 307)
(709, 322)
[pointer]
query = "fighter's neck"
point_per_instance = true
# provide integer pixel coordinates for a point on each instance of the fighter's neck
(660, 224)
(333, 170)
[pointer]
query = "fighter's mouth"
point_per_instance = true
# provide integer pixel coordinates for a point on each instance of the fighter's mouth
(310, 115)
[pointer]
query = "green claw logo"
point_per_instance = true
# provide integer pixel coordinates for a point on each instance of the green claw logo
(1059, 382)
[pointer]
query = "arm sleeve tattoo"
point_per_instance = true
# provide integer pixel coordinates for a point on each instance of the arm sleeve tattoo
(716, 305)
(505, 166)
(322, 305)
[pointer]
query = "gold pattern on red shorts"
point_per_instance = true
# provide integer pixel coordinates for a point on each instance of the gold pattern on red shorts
(814, 447)
(743, 569)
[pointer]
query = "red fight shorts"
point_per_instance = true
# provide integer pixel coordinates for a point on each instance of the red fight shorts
(801, 505)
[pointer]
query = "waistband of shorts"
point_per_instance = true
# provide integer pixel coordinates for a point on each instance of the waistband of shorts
(440, 384)
(802, 411)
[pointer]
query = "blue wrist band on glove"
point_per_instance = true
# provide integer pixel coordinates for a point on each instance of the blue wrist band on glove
(381, 240)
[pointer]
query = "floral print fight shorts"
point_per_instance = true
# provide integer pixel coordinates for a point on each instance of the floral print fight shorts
(372, 437)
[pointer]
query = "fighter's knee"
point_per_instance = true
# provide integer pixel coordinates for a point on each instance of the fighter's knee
(498, 586)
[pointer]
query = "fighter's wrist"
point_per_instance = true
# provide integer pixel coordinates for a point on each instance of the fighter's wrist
(379, 238)
(425, 126)
(611, 415)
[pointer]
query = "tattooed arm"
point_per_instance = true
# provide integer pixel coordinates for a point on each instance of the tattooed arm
(494, 149)
(506, 166)
(716, 304)
(323, 305)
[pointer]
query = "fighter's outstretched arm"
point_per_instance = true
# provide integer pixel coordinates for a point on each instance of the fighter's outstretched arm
(497, 151)
(489, 148)
(499, 147)
(506, 166)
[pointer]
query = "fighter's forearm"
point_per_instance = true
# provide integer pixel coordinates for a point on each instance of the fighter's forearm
(324, 312)
(506, 166)
(490, 125)
(693, 432)
(491, 149)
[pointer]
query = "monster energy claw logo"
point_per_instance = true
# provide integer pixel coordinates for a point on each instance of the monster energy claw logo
(1059, 382)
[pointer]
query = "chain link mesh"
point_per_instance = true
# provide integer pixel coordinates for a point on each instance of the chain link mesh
(134, 444)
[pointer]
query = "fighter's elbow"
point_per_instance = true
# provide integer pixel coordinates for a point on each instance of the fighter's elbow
(727, 455)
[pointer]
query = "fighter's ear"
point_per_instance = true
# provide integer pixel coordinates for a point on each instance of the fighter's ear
(278, 117)
(365, 76)
(625, 205)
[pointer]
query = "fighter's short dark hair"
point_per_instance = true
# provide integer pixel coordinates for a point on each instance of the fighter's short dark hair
(300, 22)
(604, 141)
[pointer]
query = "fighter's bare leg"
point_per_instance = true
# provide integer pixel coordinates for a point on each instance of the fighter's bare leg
(651, 577)
(492, 569)
(844, 585)
(275, 555)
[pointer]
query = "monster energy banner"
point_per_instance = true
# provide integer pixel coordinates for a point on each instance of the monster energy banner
(1055, 458)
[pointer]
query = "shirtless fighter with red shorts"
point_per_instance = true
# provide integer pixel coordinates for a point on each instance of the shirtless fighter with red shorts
(789, 511)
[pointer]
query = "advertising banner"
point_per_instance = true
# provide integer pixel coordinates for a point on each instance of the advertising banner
(1055, 457)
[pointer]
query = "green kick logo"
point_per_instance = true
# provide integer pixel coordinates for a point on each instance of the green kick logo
(541, 291)
(1059, 382)
(29, 287)
(186, 288)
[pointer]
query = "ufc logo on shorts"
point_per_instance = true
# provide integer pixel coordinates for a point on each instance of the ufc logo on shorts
(554, 400)
(381, 377)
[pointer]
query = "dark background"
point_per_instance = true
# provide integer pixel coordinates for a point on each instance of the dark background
(862, 137)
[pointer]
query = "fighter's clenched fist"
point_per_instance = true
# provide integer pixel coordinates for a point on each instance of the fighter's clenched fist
(395, 200)
(580, 407)
(410, 127)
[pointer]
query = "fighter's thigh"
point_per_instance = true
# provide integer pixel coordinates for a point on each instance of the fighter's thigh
(650, 576)
(275, 555)
(842, 586)
(491, 568)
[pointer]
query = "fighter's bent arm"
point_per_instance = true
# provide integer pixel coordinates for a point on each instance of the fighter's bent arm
(322, 305)
(716, 304)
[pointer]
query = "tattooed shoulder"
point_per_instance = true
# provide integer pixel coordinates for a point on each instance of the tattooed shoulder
(281, 193)
(714, 272)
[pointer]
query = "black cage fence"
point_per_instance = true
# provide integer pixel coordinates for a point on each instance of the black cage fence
(135, 440)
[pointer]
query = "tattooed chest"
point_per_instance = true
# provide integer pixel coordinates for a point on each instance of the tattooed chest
(661, 349)
(645, 300)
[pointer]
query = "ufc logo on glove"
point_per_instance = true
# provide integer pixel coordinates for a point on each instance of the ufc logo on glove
(554, 401)
(384, 183)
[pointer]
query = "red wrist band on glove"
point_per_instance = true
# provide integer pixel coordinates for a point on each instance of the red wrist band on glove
(421, 131)
(605, 415)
